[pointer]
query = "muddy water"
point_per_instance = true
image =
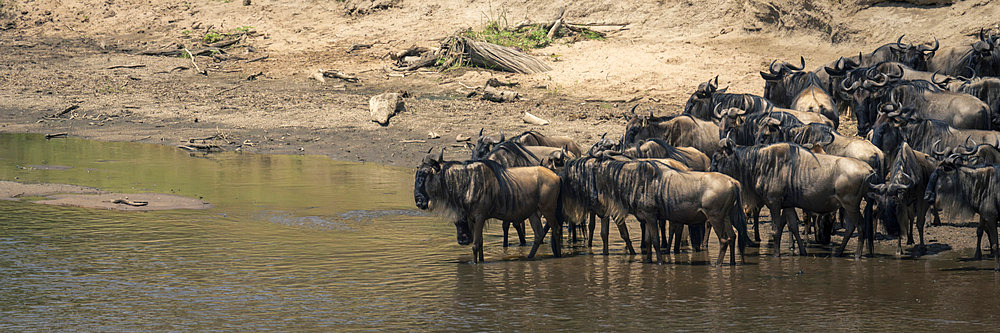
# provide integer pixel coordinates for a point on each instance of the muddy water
(303, 242)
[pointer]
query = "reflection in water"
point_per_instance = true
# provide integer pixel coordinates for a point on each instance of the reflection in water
(302, 242)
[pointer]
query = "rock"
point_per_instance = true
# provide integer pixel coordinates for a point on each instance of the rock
(384, 106)
(462, 138)
(532, 119)
(318, 76)
(433, 135)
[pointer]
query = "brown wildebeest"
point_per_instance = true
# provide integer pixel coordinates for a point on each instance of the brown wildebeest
(468, 193)
(652, 192)
(975, 188)
(785, 176)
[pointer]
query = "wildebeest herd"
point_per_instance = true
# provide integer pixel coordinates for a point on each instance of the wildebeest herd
(927, 122)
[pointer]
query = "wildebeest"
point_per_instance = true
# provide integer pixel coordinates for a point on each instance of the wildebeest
(655, 148)
(785, 176)
(652, 192)
(748, 130)
(484, 144)
(986, 89)
(678, 131)
(514, 154)
(979, 58)
(912, 56)
(834, 143)
(901, 195)
(708, 98)
(922, 134)
(924, 98)
(976, 188)
(468, 193)
(790, 87)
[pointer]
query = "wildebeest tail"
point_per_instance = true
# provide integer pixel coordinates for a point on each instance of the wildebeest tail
(739, 220)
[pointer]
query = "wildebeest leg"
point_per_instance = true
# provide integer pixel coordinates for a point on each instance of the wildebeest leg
(676, 231)
(869, 222)
(477, 241)
(979, 241)
(519, 227)
(921, 216)
(990, 224)
(643, 246)
(556, 238)
(604, 233)
(727, 240)
(755, 212)
(506, 226)
(592, 225)
(707, 228)
(664, 241)
(903, 218)
(937, 218)
(696, 235)
(572, 232)
(539, 231)
(652, 237)
(623, 231)
(778, 226)
(792, 219)
(851, 220)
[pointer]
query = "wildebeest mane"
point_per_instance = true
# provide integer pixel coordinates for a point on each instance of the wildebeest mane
(812, 133)
(512, 154)
(671, 151)
(748, 102)
(462, 185)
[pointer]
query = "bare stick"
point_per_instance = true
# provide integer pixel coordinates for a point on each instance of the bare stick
(195, 63)
(257, 59)
(127, 66)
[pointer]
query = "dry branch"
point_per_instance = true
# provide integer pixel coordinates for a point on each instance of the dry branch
(126, 201)
(127, 66)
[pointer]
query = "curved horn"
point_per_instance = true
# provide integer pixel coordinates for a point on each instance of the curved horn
(935, 150)
(716, 84)
(932, 48)
(481, 130)
(982, 33)
(851, 88)
(900, 67)
(717, 112)
(771, 67)
(802, 64)
(441, 156)
(899, 43)
(885, 80)
(502, 137)
(935, 82)
(602, 135)
(429, 150)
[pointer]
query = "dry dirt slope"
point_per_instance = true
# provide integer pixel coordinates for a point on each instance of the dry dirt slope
(669, 45)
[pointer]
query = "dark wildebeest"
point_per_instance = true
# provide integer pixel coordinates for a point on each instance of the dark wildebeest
(922, 134)
(652, 192)
(655, 148)
(785, 176)
(468, 193)
(912, 56)
(757, 128)
(513, 154)
(708, 102)
(790, 87)
(986, 89)
(926, 99)
(974, 188)
(690, 158)
(529, 138)
(834, 143)
(979, 58)
(901, 195)
(678, 131)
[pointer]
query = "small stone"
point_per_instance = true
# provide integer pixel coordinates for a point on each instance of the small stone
(462, 138)
(433, 135)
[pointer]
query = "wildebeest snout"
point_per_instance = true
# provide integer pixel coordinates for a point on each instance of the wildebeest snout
(463, 235)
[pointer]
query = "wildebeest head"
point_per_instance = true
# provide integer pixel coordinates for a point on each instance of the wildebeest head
(700, 102)
(484, 145)
(605, 144)
(636, 124)
(427, 178)
(941, 178)
(913, 56)
(724, 160)
(860, 90)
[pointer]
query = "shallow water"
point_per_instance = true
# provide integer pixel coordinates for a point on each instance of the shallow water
(303, 242)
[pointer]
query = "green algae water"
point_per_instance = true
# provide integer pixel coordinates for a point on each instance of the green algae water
(306, 243)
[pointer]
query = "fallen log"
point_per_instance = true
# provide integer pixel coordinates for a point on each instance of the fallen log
(56, 135)
(482, 54)
(126, 201)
